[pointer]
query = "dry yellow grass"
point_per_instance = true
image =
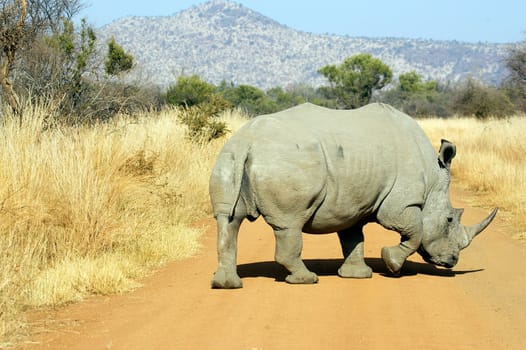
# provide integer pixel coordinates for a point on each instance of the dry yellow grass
(490, 162)
(91, 209)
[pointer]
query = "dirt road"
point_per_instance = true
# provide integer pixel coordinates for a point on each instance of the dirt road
(480, 304)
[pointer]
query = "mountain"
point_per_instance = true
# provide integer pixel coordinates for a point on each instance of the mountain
(223, 40)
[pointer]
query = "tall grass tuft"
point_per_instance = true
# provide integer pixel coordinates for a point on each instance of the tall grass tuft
(490, 162)
(89, 210)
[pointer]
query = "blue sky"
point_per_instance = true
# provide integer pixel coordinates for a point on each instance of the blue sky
(463, 20)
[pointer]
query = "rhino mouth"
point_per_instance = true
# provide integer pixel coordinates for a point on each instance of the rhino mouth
(448, 263)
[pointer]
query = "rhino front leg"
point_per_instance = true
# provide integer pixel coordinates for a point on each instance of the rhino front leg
(352, 242)
(409, 225)
(226, 275)
(289, 244)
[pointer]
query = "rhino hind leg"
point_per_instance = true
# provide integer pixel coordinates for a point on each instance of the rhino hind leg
(226, 275)
(354, 265)
(289, 244)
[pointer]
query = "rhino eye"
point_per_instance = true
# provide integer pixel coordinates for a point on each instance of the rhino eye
(449, 219)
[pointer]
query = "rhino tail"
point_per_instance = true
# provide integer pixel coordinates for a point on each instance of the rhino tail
(226, 181)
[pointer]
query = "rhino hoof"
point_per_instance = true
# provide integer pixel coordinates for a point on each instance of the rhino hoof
(224, 280)
(393, 259)
(302, 278)
(355, 271)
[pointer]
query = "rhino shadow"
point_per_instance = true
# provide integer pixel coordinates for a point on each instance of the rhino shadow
(329, 267)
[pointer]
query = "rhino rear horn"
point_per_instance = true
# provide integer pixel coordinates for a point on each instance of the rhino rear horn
(474, 230)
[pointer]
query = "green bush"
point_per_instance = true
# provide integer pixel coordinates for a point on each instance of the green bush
(475, 99)
(202, 126)
(117, 60)
(199, 105)
(419, 98)
(250, 99)
(428, 104)
(189, 91)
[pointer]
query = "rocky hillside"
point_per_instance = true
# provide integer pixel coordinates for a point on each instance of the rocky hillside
(223, 40)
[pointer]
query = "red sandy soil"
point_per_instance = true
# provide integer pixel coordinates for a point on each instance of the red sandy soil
(479, 304)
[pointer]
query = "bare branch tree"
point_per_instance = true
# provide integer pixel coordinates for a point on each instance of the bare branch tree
(21, 24)
(44, 58)
(12, 20)
(516, 63)
(516, 80)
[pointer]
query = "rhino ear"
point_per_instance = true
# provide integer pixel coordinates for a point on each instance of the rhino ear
(446, 154)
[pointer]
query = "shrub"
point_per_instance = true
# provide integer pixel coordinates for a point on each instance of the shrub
(249, 99)
(419, 98)
(475, 99)
(427, 104)
(189, 91)
(198, 106)
(202, 126)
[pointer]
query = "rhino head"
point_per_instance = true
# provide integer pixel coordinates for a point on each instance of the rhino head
(444, 235)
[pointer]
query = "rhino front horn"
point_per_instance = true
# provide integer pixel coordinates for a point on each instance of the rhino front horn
(474, 230)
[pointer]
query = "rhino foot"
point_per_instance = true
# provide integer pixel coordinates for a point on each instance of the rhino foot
(393, 258)
(226, 280)
(302, 278)
(355, 271)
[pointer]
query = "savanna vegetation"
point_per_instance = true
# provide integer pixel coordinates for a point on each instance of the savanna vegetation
(91, 209)
(102, 179)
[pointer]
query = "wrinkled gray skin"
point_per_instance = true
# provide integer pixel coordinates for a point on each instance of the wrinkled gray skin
(318, 170)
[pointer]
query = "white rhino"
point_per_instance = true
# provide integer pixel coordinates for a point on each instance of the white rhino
(316, 170)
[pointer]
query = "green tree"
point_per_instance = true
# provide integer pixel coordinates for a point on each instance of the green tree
(77, 58)
(117, 60)
(354, 81)
(252, 100)
(84, 53)
(412, 83)
(189, 91)
(68, 61)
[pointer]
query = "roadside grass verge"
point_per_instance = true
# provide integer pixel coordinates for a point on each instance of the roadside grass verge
(90, 210)
(490, 162)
